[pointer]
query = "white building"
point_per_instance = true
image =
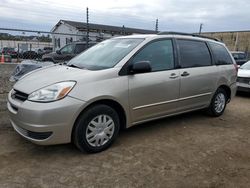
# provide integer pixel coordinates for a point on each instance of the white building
(66, 31)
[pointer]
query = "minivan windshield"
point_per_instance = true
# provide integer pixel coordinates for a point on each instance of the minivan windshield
(105, 54)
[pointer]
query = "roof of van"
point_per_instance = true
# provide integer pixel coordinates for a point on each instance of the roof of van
(174, 34)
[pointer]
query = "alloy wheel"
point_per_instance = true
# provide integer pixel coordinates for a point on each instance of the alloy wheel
(220, 102)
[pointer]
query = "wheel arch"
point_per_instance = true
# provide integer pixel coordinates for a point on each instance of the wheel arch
(111, 103)
(227, 89)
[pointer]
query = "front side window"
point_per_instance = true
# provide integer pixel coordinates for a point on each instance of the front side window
(105, 54)
(67, 49)
(193, 53)
(220, 53)
(159, 54)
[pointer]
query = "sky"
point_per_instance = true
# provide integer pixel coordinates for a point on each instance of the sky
(173, 15)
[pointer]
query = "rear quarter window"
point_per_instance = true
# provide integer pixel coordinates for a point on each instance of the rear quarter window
(220, 53)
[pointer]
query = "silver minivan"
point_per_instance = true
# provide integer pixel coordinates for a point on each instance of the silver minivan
(119, 83)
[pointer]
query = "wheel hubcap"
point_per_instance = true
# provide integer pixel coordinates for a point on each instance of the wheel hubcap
(100, 130)
(220, 102)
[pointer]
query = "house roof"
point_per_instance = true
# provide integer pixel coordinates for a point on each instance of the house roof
(83, 26)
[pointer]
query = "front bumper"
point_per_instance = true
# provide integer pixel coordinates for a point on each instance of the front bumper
(243, 87)
(44, 123)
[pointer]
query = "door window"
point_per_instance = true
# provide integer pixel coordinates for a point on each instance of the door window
(193, 53)
(80, 48)
(159, 54)
(68, 49)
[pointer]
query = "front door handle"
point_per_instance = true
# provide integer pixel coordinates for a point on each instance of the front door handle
(185, 74)
(173, 76)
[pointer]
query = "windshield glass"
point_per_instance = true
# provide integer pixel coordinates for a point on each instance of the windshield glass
(246, 66)
(68, 49)
(105, 54)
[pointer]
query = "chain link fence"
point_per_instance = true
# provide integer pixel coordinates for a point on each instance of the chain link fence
(18, 45)
(66, 39)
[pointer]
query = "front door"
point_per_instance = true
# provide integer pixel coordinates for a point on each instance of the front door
(154, 94)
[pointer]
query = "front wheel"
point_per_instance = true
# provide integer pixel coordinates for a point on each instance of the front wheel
(96, 128)
(218, 103)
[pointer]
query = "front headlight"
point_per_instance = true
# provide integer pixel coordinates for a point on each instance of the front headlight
(52, 93)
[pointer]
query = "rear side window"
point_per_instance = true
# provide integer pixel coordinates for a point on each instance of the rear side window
(220, 53)
(193, 53)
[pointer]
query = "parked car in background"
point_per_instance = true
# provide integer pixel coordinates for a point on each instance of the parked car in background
(47, 50)
(240, 57)
(30, 54)
(36, 53)
(25, 67)
(19, 52)
(7, 58)
(9, 51)
(119, 83)
(243, 80)
(67, 52)
(40, 52)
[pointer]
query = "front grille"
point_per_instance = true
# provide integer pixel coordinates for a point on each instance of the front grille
(20, 95)
(243, 80)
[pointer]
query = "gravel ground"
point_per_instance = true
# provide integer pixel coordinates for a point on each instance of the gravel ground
(190, 150)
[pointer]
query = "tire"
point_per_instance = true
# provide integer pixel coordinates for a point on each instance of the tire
(218, 103)
(91, 134)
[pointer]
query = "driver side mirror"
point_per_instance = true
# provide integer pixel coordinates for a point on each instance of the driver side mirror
(58, 52)
(140, 67)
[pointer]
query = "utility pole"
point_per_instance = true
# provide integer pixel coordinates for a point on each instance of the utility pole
(87, 37)
(236, 42)
(201, 26)
(123, 30)
(156, 25)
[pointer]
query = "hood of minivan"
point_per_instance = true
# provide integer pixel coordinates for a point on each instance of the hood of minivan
(47, 76)
(243, 73)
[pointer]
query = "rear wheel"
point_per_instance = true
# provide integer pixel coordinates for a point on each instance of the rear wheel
(218, 103)
(96, 129)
